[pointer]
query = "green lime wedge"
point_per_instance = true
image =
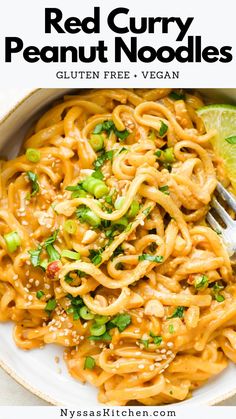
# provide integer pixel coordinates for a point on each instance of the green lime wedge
(222, 118)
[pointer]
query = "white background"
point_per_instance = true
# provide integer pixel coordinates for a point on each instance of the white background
(214, 21)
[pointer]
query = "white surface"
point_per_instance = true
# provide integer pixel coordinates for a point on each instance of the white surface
(38, 367)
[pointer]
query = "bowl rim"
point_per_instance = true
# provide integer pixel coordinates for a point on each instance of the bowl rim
(10, 371)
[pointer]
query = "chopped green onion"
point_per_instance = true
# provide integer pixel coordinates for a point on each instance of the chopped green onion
(70, 254)
(171, 328)
(95, 186)
(96, 141)
(134, 209)
(164, 189)
(178, 312)
(163, 129)
(106, 336)
(91, 218)
(89, 363)
(119, 202)
(34, 181)
(33, 155)
(121, 223)
(157, 340)
(152, 135)
(168, 155)
(201, 282)
(39, 294)
(151, 258)
(12, 240)
(85, 313)
(101, 319)
(97, 329)
(231, 140)
(86, 215)
(51, 305)
(70, 226)
(217, 287)
(219, 298)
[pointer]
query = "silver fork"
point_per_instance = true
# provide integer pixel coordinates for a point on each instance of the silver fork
(227, 234)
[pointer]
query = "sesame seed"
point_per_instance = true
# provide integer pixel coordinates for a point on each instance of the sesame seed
(37, 283)
(15, 277)
(170, 344)
(141, 366)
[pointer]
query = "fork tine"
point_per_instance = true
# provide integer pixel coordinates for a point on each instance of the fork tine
(214, 224)
(227, 196)
(222, 212)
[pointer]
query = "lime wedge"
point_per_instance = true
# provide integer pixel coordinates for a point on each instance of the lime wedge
(222, 118)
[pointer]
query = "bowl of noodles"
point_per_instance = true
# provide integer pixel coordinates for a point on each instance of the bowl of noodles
(110, 275)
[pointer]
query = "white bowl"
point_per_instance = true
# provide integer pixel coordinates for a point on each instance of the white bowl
(37, 370)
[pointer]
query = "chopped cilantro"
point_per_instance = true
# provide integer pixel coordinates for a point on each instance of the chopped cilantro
(163, 129)
(164, 189)
(151, 258)
(109, 126)
(121, 321)
(178, 312)
(177, 95)
(76, 304)
(157, 340)
(39, 294)
(95, 256)
(158, 153)
(144, 342)
(35, 256)
(50, 249)
(231, 140)
(34, 182)
(201, 282)
(51, 305)
(217, 287)
(146, 211)
(107, 155)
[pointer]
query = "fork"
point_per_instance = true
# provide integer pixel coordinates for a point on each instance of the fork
(228, 234)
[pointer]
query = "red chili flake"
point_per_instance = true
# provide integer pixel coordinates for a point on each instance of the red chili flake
(52, 269)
